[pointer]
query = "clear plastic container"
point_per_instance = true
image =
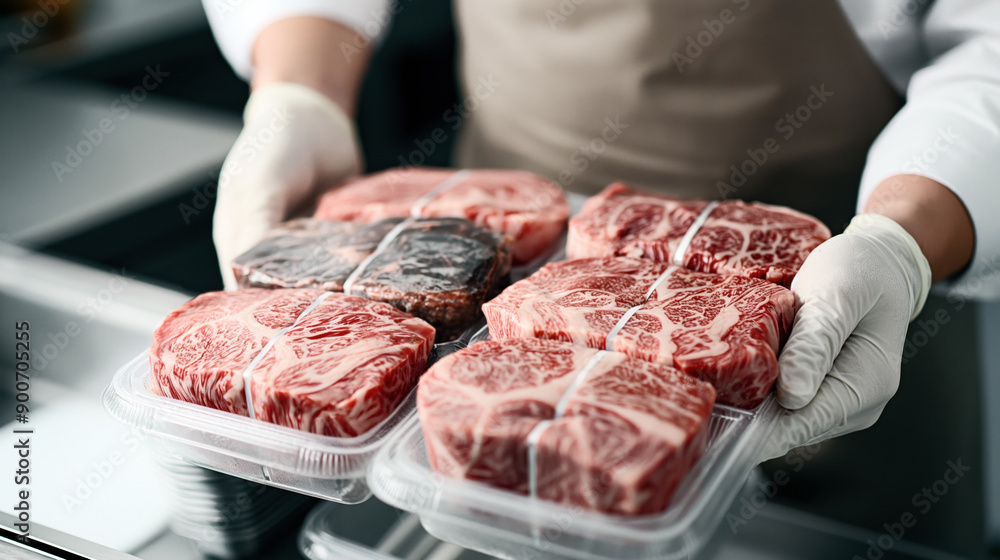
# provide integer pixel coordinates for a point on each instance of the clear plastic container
(326, 467)
(372, 531)
(501, 523)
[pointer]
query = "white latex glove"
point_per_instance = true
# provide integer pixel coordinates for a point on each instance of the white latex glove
(294, 140)
(857, 292)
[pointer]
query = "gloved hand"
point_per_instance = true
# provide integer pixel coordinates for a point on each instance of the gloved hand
(840, 366)
(294, 140)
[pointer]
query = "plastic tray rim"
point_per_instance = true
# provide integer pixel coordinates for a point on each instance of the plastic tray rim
(386, 472)
(128, 399)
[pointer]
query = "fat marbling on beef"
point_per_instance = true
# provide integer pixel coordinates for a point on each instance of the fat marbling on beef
(342, 369)
(629, 432)
(727, 330)
(748, 239)
(439, 269)
(529, 208)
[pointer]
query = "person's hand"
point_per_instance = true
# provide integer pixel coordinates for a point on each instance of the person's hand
(857, 292)
(294, 140)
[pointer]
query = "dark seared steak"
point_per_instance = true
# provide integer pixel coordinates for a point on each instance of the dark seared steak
(307, 253)
(439, 269)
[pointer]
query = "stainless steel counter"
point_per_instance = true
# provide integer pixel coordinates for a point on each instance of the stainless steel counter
(63, 172)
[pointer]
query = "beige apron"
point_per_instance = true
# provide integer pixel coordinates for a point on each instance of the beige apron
(764, 100)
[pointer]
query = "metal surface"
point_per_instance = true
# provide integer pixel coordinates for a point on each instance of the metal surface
(49, 543)
(83, 323)
(143, 154)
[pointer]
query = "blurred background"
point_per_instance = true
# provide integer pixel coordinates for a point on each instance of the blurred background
(142, 198)
(116, 117)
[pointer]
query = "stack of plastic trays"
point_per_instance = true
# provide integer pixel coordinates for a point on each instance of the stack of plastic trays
(372, 531)
(228, 517)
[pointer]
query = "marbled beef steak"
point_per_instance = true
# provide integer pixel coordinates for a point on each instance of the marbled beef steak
(342, 369)
(748, 239)
(529, 208)
(628, 432)
(727, 330)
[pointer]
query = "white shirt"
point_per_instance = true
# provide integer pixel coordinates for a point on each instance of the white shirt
(944, 55)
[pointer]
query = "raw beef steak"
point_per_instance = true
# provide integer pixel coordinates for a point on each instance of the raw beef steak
(529, 208)
(342, 369)
(628, 434)
(749, 239)
(307, 253)
(439, 269)
(727, 330)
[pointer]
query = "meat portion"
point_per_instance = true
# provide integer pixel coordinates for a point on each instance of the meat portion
(307, 253)
(339, 371)
(727, 330)
(439, 269)
(628, 433)
(529, 208)
(749, 239)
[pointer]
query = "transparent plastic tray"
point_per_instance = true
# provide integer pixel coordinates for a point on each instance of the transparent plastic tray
(372, 531)
(501, 523)
(327, 467)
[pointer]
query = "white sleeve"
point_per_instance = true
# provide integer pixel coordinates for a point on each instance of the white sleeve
(949, 129)
(236, 23)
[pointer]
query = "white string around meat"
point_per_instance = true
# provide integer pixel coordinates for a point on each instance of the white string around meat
(609, 341)
(536, 433)
(418, 207)
(415, 212)
(270, 343)
(682, 247)
(677, 261)
(260, 356)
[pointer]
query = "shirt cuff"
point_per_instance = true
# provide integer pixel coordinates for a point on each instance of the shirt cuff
(953, 137)
(237, 24)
